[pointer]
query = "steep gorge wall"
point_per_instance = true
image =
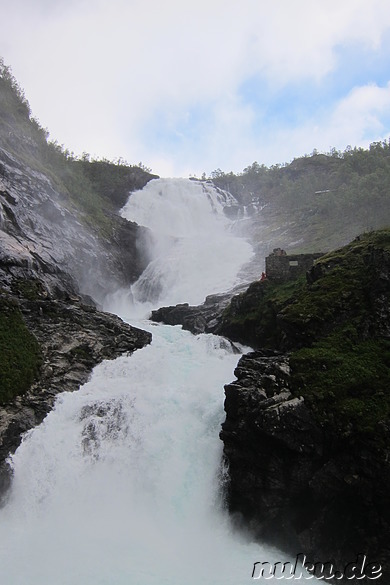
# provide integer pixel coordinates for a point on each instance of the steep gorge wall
(307, 428)
(41, 230)
(60, 255)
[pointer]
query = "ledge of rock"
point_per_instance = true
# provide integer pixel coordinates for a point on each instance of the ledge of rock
(204, 318)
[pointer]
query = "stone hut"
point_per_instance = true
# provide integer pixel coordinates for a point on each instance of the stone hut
(281, 267)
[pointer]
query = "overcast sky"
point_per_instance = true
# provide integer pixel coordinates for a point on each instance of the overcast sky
(187, 86)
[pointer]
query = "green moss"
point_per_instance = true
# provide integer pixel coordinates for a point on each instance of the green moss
(31, 289)
(339, 361)
(302, 312)
(342, 290)
(345, 381)
(252, 317)
(19, 350)
(82, 353)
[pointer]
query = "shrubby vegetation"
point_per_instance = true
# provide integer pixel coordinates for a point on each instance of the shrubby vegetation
(352, 174)
(330, 197)
(113, 181)
(19, 350)
(92, 187)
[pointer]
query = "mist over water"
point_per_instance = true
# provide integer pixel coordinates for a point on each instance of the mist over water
(194, 252)
(122, 483)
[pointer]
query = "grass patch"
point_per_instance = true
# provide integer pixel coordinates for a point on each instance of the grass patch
(345, 381)
(252, 317)
(82, 353)
(19, 350)
(30, 289)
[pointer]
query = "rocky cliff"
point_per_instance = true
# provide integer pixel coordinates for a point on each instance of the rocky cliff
(42, 231)
(63, 248)
(307, 430)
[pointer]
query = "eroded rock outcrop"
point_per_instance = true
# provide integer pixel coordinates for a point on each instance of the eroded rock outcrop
(291, 481)
(73, 337)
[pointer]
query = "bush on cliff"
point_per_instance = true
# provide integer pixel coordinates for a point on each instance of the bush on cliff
(94, 190)
(19, 350)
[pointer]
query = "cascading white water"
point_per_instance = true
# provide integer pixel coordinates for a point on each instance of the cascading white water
(194, 252)
(121, 484)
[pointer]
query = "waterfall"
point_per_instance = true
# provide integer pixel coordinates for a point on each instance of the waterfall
(194, 251)
(122, 482)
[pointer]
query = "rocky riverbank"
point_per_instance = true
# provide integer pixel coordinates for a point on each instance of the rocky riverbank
(204, 318)
(72, 337)
(307, 430)
(296, 483)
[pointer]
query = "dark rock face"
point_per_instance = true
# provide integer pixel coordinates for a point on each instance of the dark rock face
(271, 443)
(130, 242)
(205, 318)
(290, 483)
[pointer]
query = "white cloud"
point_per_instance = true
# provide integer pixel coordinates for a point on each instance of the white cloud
(298, 39)
(360, 113)
(97, 72)
(356, 120)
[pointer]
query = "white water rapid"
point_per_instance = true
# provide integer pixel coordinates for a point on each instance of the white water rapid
(121, 483)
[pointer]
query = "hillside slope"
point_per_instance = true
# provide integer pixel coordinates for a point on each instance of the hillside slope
(315, 203)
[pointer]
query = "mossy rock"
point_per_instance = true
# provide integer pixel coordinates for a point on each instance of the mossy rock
(19, 350)
(334, 326)
(345, 382)
(30, 289)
